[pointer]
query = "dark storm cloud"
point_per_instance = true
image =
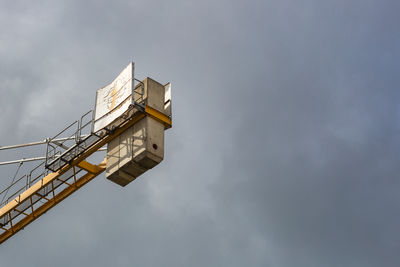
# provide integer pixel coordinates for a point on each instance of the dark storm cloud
(316, 158)
(284, 146)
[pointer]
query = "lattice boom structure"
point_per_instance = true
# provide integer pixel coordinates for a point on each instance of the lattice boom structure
(67, 169)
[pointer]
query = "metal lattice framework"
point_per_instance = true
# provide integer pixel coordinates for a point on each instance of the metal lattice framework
(66, 170)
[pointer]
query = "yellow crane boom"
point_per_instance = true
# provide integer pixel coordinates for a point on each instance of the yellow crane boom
(50, 190)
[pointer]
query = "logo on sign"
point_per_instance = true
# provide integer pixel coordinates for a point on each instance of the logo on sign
(114, 94)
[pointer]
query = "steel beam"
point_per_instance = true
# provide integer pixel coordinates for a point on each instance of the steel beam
(52, 202)
(159, 116)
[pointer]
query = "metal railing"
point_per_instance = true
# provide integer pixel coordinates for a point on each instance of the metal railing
(67, 145)
(80, 136)
(23, 183)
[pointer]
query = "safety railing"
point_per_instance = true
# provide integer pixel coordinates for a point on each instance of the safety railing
(80, 136)
(22, 183)
(68, 144)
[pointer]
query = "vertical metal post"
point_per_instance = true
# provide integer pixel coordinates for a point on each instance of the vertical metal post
(47, 152)
(77, 132)
(29, 177)
(73, 168)
(133, 83)
(52, 189)
(11, 224)
(32, 211)
(94, 113)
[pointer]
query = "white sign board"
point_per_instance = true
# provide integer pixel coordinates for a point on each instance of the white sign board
(114, 99)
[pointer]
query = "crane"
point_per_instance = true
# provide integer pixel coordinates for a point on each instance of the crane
(128, 121)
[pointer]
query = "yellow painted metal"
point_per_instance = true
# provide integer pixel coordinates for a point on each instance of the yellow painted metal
(52, 202)
(42, 183)
(159, 116)
(88, 167)
(92, 171)
(108, 138)
(29, 192)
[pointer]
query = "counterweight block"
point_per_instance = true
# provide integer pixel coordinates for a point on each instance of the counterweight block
(141, 147)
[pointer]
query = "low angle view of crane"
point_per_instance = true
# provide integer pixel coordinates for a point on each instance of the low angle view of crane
(128, 121)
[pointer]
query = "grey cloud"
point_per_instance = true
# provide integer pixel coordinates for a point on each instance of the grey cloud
(285, 140)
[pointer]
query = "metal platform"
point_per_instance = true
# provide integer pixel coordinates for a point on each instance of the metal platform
(65, 168)
(50, 182)
(61, 153)
(64, 171)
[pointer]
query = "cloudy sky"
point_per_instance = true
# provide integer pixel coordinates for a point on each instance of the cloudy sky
(284, 149)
